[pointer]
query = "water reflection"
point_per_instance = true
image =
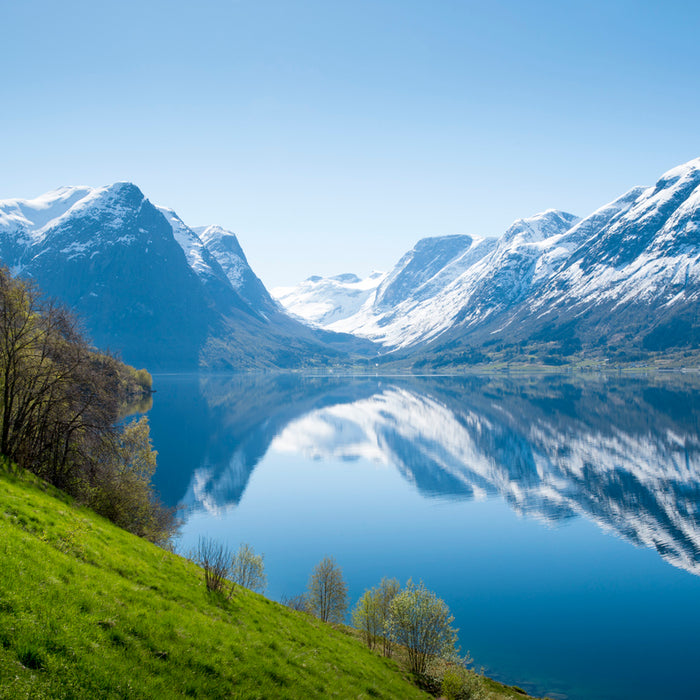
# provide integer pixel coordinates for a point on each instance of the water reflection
(624, 453)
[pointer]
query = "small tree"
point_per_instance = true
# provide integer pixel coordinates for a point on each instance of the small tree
(327, 591)
(421, 622)
(214, 558)
(388, 590)
(365, 617)
(248, 569)
(371, 614)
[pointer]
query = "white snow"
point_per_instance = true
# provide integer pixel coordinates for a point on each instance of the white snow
(461, 286)
(223, 245)
(32, 215)
(189, 241)
(323, 301)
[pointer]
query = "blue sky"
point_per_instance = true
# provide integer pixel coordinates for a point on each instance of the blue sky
(332, 135)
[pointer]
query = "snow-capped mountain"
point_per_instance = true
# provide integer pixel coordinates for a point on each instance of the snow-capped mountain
(431, 287)
(639, 274)
(621, 282)
(226, 249)
(148, 286)
(488, 275)
(111, 255)
(322, 301)
(626, 277)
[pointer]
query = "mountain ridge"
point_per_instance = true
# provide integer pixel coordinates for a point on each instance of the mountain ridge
(622, 281)
(148, 288)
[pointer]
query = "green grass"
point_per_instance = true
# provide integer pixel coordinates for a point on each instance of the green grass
(90, 611)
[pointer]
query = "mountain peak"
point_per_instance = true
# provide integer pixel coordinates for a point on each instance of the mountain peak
(539, 227)
(691, 168)
(220, 238)
(322, 301)
(123, 187)
(450, 242)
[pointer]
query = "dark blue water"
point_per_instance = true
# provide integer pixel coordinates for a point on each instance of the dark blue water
(558, 517)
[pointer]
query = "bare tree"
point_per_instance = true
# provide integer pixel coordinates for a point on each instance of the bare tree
(327, 591)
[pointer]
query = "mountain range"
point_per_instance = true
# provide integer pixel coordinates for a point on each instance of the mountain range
(623, 281)
(620, 283)
(152, 289)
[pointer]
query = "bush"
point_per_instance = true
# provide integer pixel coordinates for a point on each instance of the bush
(214, 558)
(122, 489)
(459, 683)
(144, 379)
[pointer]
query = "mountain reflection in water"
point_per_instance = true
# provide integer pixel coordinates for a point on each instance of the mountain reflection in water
(622, 452)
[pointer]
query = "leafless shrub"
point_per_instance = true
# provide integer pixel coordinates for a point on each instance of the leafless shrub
(214, 558)
(296, 602)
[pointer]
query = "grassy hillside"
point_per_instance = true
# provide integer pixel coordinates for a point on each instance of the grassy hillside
(88, 610)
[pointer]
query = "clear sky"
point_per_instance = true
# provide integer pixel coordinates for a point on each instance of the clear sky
(331, 135)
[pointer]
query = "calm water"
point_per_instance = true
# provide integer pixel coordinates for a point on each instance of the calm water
(558, 518)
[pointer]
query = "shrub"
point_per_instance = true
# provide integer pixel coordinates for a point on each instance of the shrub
(214, 558)
(122, 489)
(365, 618)
(459, 683)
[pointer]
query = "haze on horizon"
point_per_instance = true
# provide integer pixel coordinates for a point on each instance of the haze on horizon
(332, 136)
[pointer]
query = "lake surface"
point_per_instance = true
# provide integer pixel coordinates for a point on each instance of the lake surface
(558, 517)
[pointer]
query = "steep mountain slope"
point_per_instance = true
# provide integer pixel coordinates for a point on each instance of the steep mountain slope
(623, 281)
(225, 248)
(110, 255)
(443, 281)
(389, 308)
(638, 276)
(147, 286)
(626, 278)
